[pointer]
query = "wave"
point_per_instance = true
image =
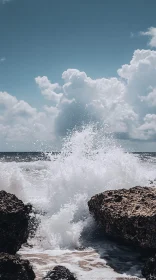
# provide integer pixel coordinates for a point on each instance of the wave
(90, 162)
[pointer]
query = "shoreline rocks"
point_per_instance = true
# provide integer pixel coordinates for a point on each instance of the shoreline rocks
(14, 219)
(60, 272)
(14, 231)
(14, 268)
(127, 214)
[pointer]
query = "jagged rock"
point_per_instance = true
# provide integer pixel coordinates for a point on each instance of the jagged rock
(128, 215)
(59, 273)
(34, 220)
(13, 268)
(149, 270)
(14, 218)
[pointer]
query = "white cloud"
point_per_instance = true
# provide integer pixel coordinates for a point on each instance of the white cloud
(122, 103)
(151, 32)
(51, 110)
(86, 100)
(150, 98)
(22, 126)
(126, 104)
(7, 100)
(48, 89)
(149, 127)
(140, 80)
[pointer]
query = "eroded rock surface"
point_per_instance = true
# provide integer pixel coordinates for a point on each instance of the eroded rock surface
(14, 218)
(58, 273)
(149, 270)
(127, 214)
(13, 268)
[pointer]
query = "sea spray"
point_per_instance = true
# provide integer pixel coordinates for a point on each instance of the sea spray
(90, 162)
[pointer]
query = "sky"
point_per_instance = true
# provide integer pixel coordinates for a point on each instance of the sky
(68, 63)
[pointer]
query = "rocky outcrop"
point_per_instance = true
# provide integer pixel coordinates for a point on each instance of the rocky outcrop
(149, 270)
(14, 219)
(129, 215)
(13, 268)
(58, 273)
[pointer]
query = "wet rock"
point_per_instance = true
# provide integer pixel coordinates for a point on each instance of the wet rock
(149, 270)
(128, 215)
(14, 219)
(34, 220)
(58, 273)
(13, 268)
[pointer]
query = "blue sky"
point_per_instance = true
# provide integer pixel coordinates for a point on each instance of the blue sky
(47, 37)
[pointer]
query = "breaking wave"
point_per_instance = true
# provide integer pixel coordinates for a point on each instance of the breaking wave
(90, 162)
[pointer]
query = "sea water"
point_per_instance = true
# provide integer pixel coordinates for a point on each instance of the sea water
(59, 185)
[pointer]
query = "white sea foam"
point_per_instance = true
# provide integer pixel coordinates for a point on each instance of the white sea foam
(89, 163)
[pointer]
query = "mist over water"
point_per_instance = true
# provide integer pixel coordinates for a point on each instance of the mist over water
(90, 162)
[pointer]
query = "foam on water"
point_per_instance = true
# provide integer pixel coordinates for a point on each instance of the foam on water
(89, 163)
(85, 264)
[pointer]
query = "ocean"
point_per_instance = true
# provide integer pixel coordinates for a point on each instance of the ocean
(59, 185)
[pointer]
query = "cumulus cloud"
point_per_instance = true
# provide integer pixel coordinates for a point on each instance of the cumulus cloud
(86, 100)
(125, 105)
(48, 89)
(151, 33)
(150, 98)
(23, 126)
(7, 100)
(139, 77)
(149, 127)
(122, 103)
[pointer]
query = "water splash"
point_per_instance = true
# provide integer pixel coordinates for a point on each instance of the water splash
(90, 162)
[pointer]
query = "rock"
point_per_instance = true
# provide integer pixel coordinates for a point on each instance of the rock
(149, 270)
(13, 268)
(14, 219)
(59, 273)
(128, 215)
(34, 220)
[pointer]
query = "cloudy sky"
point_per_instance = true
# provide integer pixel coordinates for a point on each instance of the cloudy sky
(67, 63)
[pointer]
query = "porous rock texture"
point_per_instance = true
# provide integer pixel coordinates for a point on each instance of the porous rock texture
(14, 219)
(127, 214)
(149, 270)
(59, 272)
(13, 268)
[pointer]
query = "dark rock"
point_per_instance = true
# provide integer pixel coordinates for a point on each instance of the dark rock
(59, 273)
(149, 270)
(14, 219)
(34, 220)
(128, 215)
(13, 268)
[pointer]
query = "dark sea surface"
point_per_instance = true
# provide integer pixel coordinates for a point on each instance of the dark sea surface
(25, 156)
(43, 156)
